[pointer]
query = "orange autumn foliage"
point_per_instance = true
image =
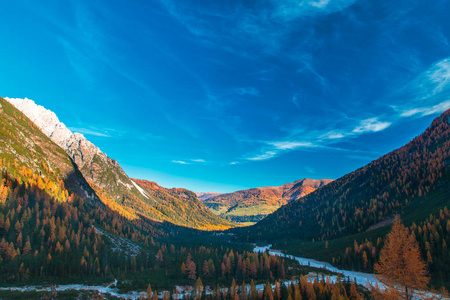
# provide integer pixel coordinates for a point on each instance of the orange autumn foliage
(401, 268)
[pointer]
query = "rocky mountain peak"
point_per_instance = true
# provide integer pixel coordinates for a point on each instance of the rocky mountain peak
(46, 120)
(75, 144)
(90, 160)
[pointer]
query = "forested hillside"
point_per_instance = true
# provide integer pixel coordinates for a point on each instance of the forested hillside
(23, 145)
(183, 207)
(57, 228)
(103, 175)
(348, 215)
(58, 239)
(53, 226)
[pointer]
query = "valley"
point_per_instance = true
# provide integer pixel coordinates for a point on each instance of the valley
(254, 204)
(225, 150)
(70, 216)
(315, 268)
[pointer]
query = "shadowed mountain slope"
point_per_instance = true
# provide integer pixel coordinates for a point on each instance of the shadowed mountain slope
(369, 195)
(26, 149)
(107, 178)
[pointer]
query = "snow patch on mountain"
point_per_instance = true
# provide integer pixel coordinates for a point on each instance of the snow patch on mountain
(141, 190)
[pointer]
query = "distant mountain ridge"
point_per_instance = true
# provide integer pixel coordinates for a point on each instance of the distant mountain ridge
(107, 178)
(206, 195)
(254, 204)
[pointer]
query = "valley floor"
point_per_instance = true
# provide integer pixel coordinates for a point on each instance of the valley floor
(360, 278)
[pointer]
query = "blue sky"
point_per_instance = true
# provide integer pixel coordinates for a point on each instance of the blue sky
(226, 95)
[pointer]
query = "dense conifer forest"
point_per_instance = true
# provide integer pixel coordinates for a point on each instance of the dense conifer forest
(51, 235)
(55, 227)
(345, 218)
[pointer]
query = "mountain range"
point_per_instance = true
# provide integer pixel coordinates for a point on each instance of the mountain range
(108, 180)
(59, 177)
(254, 204)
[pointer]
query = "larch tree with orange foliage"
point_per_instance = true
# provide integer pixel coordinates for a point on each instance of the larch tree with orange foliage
(400, 268)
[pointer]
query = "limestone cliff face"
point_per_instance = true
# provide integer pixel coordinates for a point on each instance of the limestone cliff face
(95, 165)
(30, 144)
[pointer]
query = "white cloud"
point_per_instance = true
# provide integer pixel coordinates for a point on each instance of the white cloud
(439, 75)
(334, 135)
(278, 147)
(427, 94)
(320, 139)
(371, 125)
(291, 9)
(426, 111)
(291, 145)
(199, 160)
(87, 131)
(266, 25)
(320, 3)
(180, 162)
(264, 156)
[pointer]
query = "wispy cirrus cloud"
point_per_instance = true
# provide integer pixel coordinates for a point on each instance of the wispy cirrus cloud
(87, 131)
(273, 149)
(371, 125)
(439, 75)
(427, 94)
(267, 25)
(242, 91)
(190, 161)
(290, 9)
(88, 47)
(198, 160)
(332, 135)
(80, 62)
(180, 162)
(317, 140)
(426, 111)
(432, 87)
(263, 156)
(288, 145)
